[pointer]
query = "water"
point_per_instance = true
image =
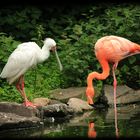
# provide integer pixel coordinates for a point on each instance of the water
(90, 124)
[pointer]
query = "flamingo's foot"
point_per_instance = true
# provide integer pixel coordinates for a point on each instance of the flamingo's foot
(29, 104)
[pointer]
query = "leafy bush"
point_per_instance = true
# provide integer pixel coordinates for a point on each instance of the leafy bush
(75, 29)
(20, 22)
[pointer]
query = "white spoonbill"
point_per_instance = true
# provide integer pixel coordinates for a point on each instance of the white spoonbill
(25, 56)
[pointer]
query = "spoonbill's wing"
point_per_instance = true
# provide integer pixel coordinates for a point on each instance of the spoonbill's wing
(19, 62)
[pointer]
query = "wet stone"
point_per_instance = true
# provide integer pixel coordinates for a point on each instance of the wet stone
(78, 105)
(18, 109)
(56, 110)
(124, 95)
(14, 115)
(13, 121)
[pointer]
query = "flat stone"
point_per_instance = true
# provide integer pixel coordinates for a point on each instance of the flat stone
(19, 109)
(123, 112)
(14, 115)
(124, 94)
(65, 94)
(41, 101)
(56, 110)
(54, 102)
(13, 121)
(79, 105)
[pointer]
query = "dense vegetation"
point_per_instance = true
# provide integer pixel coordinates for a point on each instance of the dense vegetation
(75, 29)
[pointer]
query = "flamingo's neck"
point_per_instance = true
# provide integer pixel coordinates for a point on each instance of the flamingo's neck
(99, 76)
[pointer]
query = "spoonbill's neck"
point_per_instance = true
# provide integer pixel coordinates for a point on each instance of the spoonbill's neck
(45, 53)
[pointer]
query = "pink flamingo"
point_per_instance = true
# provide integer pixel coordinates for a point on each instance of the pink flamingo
(110, 49)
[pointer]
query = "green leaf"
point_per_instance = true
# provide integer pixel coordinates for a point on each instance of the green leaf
(132, 59)
(125, 68)
(77, 29)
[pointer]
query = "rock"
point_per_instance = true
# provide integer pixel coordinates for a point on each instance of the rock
(81, 119)
(123, 112)
(56, 110)
(14, 115)
(79, 105)
(132, 96)
(13, 121)
(54, 102)
(64, 95)
(125, 95)
(101, 102)
(41, 101)
(19, 109)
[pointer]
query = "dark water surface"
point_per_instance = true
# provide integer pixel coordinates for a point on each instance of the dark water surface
(90, 124)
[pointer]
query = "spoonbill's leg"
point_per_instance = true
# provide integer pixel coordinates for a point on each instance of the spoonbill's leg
(115, 87)
(20, 87)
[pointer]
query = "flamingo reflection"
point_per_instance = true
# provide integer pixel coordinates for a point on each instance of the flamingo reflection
(91, 130)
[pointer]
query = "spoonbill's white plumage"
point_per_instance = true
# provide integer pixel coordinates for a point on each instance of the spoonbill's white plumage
(25, 56)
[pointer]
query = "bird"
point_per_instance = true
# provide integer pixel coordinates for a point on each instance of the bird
(110, 49)
(24, 57)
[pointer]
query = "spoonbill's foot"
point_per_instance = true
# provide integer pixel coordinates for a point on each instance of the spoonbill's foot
(29, 104)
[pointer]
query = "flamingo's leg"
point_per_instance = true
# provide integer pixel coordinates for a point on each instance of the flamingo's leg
(20, 87)
(114, 76)
(115, 87)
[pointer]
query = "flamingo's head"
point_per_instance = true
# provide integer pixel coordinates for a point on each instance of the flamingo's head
(90, 95)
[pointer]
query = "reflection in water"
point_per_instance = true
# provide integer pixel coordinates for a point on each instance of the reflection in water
(91, 131)
(115, 114)
(116, 124)
(115, 101)
(94, 124)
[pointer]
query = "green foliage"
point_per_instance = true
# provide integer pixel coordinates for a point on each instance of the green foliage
(7, 45)
(19, 21)
(75, 29)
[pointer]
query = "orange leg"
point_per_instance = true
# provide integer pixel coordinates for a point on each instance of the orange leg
(115, 87)
(20, 88)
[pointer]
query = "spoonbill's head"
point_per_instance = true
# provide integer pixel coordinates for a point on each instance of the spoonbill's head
(50, 43)
(52, 46)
